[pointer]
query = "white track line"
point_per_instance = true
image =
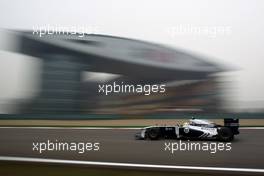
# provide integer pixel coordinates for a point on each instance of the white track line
(252, 128)
(103, 128)
(95, 163)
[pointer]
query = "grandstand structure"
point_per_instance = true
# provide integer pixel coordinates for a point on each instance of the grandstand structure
(191, 84)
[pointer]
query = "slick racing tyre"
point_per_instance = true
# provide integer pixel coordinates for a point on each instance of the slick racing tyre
(153, 133)
(225, 134)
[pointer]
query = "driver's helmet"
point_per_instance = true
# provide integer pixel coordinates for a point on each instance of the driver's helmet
(192, 122)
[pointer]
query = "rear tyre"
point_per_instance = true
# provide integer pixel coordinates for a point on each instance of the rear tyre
(225, 134)
(153, 133)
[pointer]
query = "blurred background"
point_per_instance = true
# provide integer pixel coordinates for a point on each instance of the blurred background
(208, 54)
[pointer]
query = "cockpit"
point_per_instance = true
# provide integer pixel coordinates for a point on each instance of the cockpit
(201, 123)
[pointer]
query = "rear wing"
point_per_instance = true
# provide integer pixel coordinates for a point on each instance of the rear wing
(233, 124)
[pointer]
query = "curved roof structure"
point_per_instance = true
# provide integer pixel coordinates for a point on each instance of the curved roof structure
(121, 55)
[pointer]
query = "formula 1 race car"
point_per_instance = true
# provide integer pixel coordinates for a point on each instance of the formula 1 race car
(193, 129)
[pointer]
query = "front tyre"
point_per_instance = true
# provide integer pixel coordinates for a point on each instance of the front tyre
(225, 134)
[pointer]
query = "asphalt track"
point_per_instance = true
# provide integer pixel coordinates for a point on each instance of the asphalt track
(119, 145)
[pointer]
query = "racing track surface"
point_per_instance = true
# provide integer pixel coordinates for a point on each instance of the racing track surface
(119, 145)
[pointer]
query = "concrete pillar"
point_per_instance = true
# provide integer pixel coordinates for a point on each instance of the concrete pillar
(60, 90)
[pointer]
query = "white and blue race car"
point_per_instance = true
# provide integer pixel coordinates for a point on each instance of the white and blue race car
(193, 129)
